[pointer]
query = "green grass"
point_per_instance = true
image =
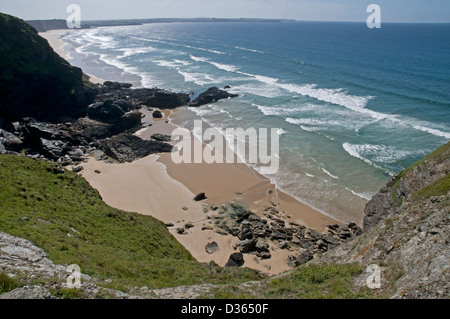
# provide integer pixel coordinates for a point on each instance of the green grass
(62, 214)
(438, 188)
(7, 283)
(319, 282)
(438, 156)
(334, 281)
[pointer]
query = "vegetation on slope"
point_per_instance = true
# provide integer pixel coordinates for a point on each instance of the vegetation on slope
(61, 213)
(323, 281)
(438, 156)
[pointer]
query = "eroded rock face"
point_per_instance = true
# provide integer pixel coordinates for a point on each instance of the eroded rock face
(20, 255)
(400, 187)
(126, 147)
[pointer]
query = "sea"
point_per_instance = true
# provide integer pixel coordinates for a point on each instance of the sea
(352, 106)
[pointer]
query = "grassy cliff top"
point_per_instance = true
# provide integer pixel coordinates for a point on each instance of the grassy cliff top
(61, 213)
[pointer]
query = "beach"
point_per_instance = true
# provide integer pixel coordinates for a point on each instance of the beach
(158, 187)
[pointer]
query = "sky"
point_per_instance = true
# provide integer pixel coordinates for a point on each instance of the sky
(314, 10)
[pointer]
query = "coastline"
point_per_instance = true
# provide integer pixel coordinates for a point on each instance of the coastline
(156, 186)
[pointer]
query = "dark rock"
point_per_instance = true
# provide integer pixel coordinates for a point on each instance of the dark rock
(10, 141)
(246, 245)
(161, 137)
(53, 149)
(157, 114)
(261, 246)
(283, 245)
(188, 225)
(34, 129)
(211, 95)
(117, 85)
(303, 258)
(126, 147)
(314, 235)
(106, 111)
(227, 87)
(246, 233)
(77, 169)
(76, 155)
(264, 255)
(167, 100)
(277, 235)
(169, 225)
(331, 240)
(212, 247)
(181, 230)
(306, 244)
(235, 260)
(199, 197)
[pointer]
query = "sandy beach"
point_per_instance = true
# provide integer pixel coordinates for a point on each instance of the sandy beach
(156, 186)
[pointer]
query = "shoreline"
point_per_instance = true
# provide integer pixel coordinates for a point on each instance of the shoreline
(156, 186)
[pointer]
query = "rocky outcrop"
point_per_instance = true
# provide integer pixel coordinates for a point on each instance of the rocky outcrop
(126, 147)
(400, 187)
(154, 97)
(34, 80)
(259, 235)
(211, 95)
(20, 257)
(409, 244)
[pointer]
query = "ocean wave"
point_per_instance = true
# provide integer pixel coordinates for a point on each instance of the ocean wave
(280, 131)
(257, 89)
(127, 52)
(314, 122)
(275, 111)
(329, 174)
(377, 155)
(197, 78)
(366, 196)
(251, 50)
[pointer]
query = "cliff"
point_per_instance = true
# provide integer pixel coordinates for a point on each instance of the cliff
(34, 80)
(406, 237)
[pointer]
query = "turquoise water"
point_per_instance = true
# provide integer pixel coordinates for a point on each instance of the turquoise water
(353, 105)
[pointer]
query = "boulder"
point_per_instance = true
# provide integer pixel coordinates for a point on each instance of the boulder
(27, 292)
(52, 148)
(126, 147)
(199, 197)
(303, 258)
(246, 232)
(161, 137)
(211, 95)
(212, 247)
(235, 260)
(157, 114)
(10, 141)
(246, 245)
(261, 246)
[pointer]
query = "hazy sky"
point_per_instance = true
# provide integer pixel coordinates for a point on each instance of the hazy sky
(318, 10)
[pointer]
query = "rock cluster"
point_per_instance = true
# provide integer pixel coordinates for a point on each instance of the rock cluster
(109, 125)
(259, 235)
